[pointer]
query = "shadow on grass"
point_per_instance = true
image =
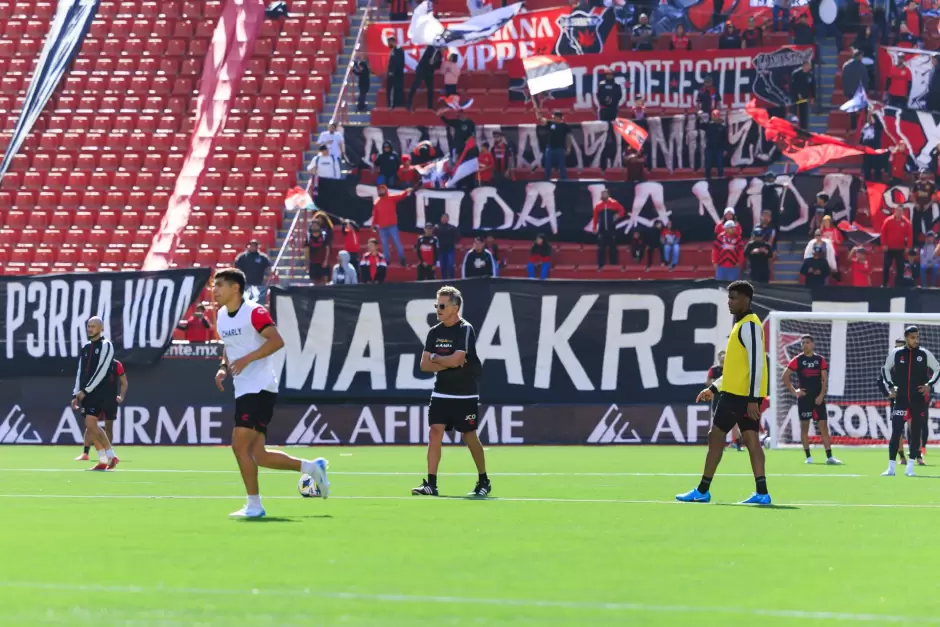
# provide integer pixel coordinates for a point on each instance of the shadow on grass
(772, 506)
(281, 519)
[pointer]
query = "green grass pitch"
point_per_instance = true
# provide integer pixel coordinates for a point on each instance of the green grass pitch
(572, 537)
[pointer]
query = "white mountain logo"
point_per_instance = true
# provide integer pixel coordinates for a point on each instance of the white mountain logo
(14, 431)
(312, 433)
(607, 431)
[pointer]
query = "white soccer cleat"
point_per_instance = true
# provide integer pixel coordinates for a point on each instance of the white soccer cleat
(319, 477)
(809, 460)
(832, 461)
(910, 473)
(888, 473)
(249, 512)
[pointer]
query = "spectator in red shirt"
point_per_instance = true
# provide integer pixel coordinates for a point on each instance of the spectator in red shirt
(728, 215)
(913, 20)
(502, 157)
(317, 255)
(197, 327)
(372, 266)
(727, 253)
(487, 164)
(752, 37)
(407, 175)
(351, 241)
(540, 258)
(680, 41)
(606, 214)
(899, 84)
(385, 219)
(898, 163)
(897, 236)
(859, 269)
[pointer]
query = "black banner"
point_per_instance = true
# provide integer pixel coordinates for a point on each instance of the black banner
(674, 142)
(569, 342)
(45, 316)
(564, 210)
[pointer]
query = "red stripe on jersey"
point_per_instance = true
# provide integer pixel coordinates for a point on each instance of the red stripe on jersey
(261, 319)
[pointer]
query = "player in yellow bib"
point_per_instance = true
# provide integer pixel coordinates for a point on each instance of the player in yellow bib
(741, 390)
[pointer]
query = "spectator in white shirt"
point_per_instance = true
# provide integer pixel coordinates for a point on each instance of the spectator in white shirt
(334, 141)
(324, 166)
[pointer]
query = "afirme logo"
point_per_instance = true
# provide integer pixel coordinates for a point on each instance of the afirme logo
(16, 432)
(312, 433)
(608, 433)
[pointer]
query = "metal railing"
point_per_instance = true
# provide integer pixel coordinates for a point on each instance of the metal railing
(341, 109)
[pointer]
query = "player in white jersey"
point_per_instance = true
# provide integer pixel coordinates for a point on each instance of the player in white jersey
(251, 339)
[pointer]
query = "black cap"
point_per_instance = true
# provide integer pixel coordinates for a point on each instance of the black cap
(911, 329)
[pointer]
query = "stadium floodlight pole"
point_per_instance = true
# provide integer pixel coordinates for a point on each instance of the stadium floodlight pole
(897, 318)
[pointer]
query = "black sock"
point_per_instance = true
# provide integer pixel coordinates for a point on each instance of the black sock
(761, 485)
(828, 453)
(704, 484)
(432, 481)
(806, 450)
(483, 477)
(87, 448)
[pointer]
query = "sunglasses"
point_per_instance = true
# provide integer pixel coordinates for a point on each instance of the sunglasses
(440, 307)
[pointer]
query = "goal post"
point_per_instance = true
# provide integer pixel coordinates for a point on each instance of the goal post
(855, 346)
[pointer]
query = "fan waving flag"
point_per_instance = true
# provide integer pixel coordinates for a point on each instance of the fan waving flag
(454, 103)
(547, 72)
(808, 150)
(631, 132)
(426, 30)
(858, 234)
(858, 102)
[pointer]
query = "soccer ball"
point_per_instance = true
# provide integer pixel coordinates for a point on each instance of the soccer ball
(765, 441)
(307, 488)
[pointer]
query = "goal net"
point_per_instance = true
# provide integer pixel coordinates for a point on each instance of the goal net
(855, 346)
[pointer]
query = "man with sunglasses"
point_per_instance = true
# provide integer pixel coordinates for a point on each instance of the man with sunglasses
(450, 352)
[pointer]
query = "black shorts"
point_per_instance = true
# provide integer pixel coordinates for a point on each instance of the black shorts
(732, 410)
(97, 407)
(318, 272)
(809, 410)
(898, 410)
(108, 413)
(255, 411)
(454, 413)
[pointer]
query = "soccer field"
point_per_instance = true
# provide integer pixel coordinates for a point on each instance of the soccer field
(572, 536)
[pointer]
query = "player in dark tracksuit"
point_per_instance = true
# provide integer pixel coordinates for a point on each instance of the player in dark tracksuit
(91, 390)
(116, 390)
(895, 447)
(911, 371)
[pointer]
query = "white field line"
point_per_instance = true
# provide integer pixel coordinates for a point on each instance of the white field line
(450, 474)
(393, 598)
(201, 497)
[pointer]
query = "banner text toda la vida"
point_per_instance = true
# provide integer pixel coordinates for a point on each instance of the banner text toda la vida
(527, 34)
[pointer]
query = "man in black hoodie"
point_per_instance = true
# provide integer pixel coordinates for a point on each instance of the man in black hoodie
(361, 69)
(387, 164)
(424, 73)
(716, 141)
(395, 79)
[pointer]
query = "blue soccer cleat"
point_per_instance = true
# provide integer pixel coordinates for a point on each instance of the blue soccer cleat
(757, 499)
(694, 496)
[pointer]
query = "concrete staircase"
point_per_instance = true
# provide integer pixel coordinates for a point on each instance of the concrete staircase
(789, 261)
(826, 81)
(290, 269)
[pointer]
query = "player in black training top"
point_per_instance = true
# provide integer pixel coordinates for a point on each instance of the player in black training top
(451, 353)
(812, 371)
(116, 389)
(911, 371)
(896, 443)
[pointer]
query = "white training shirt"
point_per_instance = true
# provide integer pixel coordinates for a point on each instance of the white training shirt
(333, 141)
(326, 167)
(241, 333)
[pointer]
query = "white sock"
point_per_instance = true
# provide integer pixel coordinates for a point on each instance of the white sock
(891, 464)
(910, 463)
(110, 453)
(254, 500)
(103, 456)
(307, 467)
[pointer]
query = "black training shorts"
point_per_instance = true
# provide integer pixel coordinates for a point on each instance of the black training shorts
(809, 410)
(732, 410)
(454, 413)
(95, 406)
(255, 411)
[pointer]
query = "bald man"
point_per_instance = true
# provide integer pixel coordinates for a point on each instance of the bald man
(91, 390)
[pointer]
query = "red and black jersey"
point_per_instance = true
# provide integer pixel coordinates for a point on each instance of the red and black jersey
(113, 378)
(427, 247)
(715, 372)
(809, 369)
(727, 251)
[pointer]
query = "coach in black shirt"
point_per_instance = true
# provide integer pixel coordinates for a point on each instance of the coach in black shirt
(450, 352)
